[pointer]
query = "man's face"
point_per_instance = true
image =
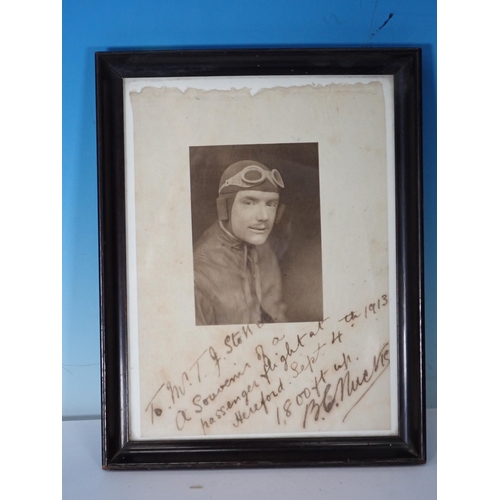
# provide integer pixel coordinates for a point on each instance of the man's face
(253, 214)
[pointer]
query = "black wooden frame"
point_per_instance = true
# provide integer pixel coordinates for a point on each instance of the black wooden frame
(118, 451)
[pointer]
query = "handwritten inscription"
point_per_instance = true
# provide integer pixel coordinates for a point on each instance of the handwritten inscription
(369, 309)
(254, 379)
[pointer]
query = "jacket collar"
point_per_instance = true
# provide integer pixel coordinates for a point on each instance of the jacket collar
(229, 239)
(249, 254)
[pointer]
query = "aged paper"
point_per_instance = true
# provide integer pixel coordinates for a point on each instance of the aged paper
(332, 376)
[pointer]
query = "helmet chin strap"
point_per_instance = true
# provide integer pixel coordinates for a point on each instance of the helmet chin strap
(228, 232)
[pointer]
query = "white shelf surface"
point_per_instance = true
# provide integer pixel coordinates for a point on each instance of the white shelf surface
(83, 477)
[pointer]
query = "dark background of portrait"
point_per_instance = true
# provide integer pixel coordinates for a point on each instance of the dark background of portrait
(297, 237)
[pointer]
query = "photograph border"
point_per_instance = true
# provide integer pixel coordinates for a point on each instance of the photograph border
(408, 446)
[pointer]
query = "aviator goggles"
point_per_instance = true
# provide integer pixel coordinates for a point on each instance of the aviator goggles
(252, 176)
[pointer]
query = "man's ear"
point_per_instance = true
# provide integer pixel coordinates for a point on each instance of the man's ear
(279, 213)
(222, 211)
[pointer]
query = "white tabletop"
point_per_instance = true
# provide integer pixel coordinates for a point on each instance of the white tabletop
(84, 479)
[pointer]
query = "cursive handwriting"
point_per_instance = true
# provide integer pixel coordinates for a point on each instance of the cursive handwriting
(242, 416)
(346, 386)
(260, 377)
(369, 309)
(213, 395)
(224, 409)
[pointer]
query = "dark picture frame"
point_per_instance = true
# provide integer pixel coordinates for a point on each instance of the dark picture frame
(406, 445)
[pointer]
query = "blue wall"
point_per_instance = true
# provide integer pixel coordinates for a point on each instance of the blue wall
(92, 25)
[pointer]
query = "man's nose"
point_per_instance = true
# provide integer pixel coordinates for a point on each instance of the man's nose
(262, 213)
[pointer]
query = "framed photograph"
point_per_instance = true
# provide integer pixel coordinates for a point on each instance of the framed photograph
(260, 258)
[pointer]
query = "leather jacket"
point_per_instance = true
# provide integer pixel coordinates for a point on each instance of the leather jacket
(235, 282)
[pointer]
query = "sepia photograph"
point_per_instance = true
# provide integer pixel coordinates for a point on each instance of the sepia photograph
(256, 233)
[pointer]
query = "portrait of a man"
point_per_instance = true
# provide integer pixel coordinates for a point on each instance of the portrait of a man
(238, 274)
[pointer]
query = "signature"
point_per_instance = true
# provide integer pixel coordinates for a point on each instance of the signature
(344, 387)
